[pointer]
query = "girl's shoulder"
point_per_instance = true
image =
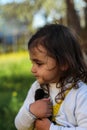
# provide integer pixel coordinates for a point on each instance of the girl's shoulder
(82, 86)
(81, 90)
(79, 94)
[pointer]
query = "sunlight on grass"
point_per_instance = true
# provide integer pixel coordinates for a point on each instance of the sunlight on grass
(12, 57)
(15, 63)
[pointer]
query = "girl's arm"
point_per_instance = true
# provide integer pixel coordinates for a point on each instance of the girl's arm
(32, 109)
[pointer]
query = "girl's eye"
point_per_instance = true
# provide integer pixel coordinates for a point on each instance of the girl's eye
(39, 64)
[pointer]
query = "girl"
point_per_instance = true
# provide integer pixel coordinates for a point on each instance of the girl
(61, 72)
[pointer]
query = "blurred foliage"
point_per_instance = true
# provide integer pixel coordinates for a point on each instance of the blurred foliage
(23, 13)
(26, 10)
(15, 81)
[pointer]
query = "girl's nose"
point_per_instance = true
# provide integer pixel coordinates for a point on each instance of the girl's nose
(34, 69)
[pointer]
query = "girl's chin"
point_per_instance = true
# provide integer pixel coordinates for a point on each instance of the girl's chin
(41, 81)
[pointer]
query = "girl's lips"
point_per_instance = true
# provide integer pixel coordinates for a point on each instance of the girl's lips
(36, 76)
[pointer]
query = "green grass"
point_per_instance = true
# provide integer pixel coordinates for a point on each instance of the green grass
(15, 81)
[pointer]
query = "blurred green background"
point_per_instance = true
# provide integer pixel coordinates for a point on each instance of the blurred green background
(19, 19)
(15, 80)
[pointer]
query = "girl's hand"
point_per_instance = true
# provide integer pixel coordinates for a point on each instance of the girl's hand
(41, 108)
(43, 124)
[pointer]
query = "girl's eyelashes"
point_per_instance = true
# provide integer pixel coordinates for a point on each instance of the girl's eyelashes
(39, 63)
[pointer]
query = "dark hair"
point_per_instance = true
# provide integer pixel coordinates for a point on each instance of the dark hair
(62, 44)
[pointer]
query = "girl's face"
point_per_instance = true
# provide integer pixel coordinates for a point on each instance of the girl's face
(44, 67)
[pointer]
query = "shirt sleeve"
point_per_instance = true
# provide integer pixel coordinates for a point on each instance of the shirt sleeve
(25, 119)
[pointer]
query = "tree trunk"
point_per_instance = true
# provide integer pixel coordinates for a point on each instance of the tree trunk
(72, 17)
(85, 11)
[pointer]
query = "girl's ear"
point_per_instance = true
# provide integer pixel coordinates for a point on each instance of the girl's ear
(64, 67)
